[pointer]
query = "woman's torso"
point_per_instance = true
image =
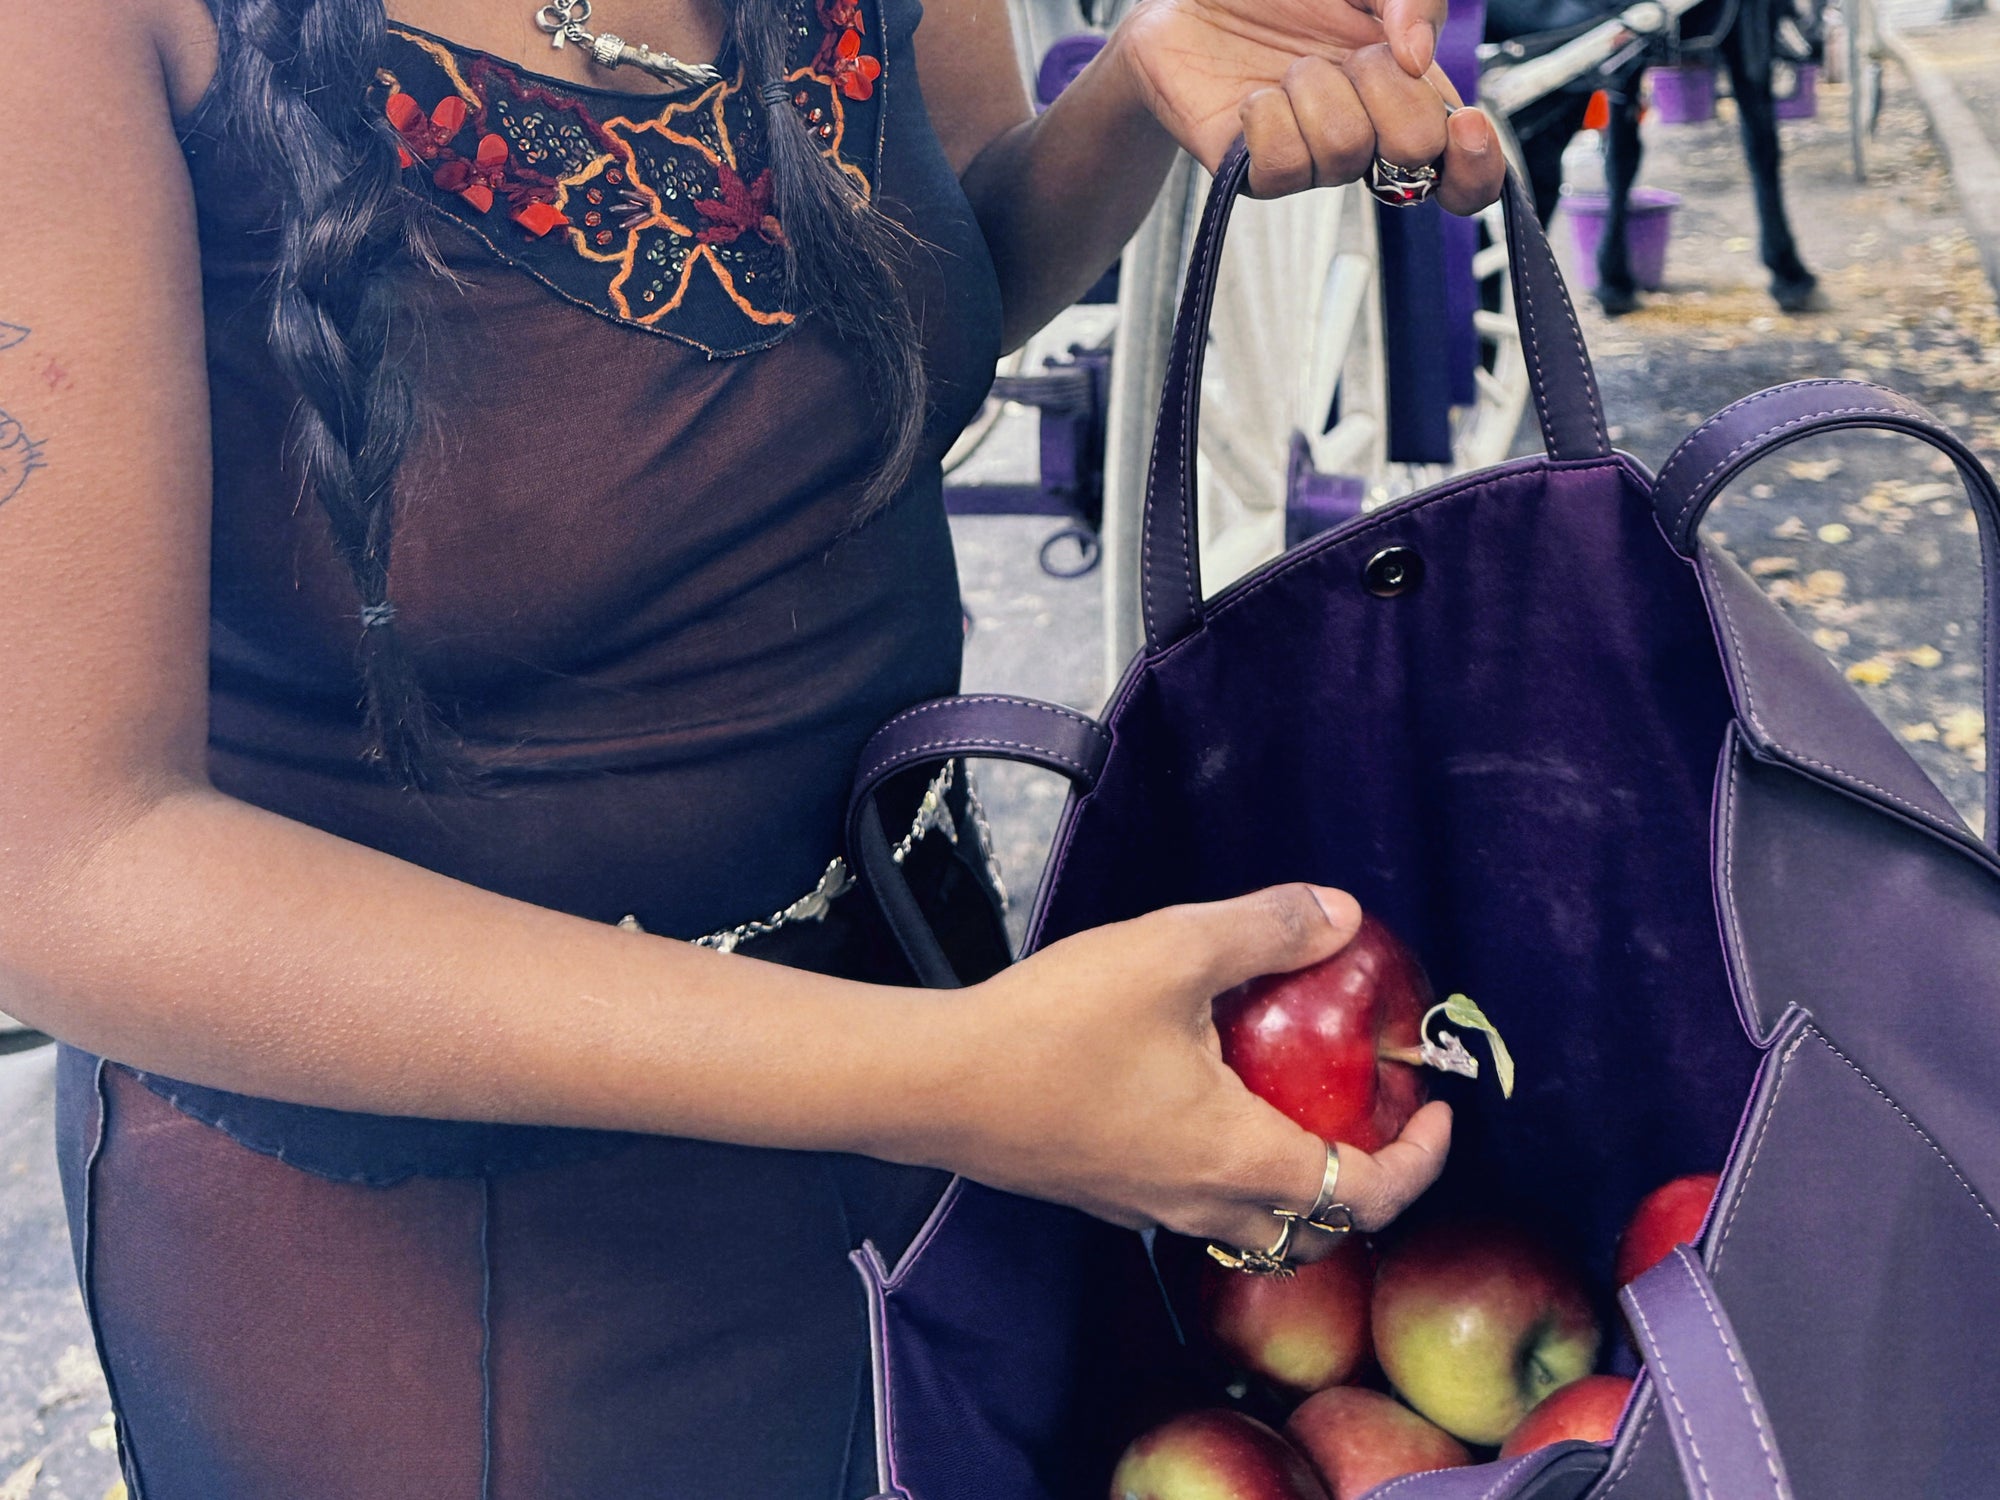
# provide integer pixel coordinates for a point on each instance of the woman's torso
(621, 552)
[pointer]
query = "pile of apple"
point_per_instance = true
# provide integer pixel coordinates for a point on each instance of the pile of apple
(1481, 1336)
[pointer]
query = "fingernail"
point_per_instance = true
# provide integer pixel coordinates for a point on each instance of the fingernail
(1424, 37)
(1469, 133)
(1343, 912)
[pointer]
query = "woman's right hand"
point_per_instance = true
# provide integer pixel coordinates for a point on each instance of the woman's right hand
(1097, 1079)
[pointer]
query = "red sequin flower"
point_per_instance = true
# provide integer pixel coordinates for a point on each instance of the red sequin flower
(854, 73)
(423, 136)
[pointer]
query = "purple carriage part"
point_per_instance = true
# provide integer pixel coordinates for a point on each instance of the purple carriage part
(1802, 103)
(1683, 96)
(1649, 226)
(1063, 63)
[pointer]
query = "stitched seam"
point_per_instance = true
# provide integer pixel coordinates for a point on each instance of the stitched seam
(1532, 338)
(1925, 1136)
(1739, 972)
(1742, 675)
(1612, 1480)
(1499, 1484)
(1701, 485)
(1742, 1383)
(1756, 1150)
(1592, 399)
(970, 742)
(1682, 454)
(1659, 1364)
(1026, 703)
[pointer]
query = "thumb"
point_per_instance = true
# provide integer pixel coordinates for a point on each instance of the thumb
(1271, 931)
(1378, 1187)
(1411, 29)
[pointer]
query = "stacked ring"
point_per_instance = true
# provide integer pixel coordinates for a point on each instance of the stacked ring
(1327, 1214)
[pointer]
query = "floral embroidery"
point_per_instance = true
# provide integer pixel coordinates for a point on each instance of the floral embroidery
(652, 209)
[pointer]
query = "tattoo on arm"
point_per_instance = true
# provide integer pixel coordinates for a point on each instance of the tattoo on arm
(10, 335)
(20, 456)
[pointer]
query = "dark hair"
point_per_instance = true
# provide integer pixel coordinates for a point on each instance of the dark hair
(298, 99)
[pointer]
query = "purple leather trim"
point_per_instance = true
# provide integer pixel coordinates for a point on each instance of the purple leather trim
(868, 1263)
(1566, 396)
(1493, 1481)
(1720, 1431)
(1754, 428)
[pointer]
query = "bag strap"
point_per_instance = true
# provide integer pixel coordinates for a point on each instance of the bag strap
(1764, 663)
(1706, 1392)
(993, 726)
(1565, 389)
(1714, 1415)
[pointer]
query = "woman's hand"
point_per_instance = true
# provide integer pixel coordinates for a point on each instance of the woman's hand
(1098, 1079)
(1318, 88)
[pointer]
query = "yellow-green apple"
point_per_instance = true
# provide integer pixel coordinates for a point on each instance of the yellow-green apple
(1358, 1439)
(1588, 1409)
(1305, 1331)
(1670, 1215)
(1214, 1455)
(1475, 1322)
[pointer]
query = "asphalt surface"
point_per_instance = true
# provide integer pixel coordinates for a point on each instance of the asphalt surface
(1865, 541)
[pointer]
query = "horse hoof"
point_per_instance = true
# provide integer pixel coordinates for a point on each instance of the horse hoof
(1617, 301)
(1800, 296)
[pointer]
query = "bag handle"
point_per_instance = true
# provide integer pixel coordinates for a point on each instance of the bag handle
(994, 726)
(1722, 1435)
(1565, 389)
(1715, 1418)
(1753, 429)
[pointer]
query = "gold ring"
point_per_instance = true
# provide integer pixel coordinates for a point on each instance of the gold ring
(1271, 1262)
(1328, 1212)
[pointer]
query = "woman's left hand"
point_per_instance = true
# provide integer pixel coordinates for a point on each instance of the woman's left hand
(1319, 88)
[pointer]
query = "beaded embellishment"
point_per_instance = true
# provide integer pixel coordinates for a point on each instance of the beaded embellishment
(650, 209)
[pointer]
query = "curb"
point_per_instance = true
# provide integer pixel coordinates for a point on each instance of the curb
(1975, 165)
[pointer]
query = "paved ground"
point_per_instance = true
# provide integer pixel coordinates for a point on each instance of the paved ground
(1866, 543)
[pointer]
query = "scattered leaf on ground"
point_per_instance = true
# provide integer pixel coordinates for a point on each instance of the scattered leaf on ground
(1873, 672)
(20, 1484)
(1814, 469)
(1826, 583)
(1764, 567)
(1919, 734)
(1834, 533)
(1923, 656)
(1829, 640)
(104, 1436)
(1790, 529)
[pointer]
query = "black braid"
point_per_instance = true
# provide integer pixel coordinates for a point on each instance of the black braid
(297, 94)
(842, 254)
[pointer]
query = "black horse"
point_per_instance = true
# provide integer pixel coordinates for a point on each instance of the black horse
(1746, 33)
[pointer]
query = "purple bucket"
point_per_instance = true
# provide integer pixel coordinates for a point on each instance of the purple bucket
(1802, 103)
(1683, 96)
(1062, 64)
(1649, 224)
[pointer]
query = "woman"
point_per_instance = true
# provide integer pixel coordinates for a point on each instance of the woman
(435, 1160)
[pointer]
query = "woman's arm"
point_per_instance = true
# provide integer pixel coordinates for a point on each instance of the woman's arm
(1318, 87)
(146, 916)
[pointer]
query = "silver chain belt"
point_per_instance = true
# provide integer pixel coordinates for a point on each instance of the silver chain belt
(932, 813)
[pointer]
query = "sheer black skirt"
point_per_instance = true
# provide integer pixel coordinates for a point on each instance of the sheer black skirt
(574, 1316)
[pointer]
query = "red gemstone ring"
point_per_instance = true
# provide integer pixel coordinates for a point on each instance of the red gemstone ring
(1401, 187)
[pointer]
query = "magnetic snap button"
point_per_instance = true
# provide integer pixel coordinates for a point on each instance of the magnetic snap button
(1393, 571)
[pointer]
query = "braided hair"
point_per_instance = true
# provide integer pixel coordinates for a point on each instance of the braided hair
(296, 91)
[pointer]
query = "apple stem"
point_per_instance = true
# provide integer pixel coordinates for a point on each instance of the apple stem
(1414, 1056)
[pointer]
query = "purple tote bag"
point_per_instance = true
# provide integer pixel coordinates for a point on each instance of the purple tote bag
(1575, 756)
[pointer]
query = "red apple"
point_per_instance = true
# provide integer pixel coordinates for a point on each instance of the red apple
(1358, 1439)
(1214, 1455)
(1475, 1323)
(1588, 1408)
(1336, 1045)
(1306, 1331)
(1668, 1216)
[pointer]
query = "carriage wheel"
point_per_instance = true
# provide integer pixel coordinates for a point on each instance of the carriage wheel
(1295, 358)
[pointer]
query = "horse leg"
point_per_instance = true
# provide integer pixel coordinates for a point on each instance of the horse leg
(1748, 51)
(1617, 292)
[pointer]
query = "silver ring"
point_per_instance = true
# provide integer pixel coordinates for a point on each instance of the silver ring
(1401, 187)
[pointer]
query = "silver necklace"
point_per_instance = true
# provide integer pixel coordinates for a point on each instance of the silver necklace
(564, 22)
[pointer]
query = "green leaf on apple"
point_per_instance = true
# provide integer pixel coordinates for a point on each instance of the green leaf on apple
(1460, 1009)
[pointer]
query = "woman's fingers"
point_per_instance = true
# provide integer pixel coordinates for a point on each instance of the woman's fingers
(1380, 1186)
(1411, 28)
(1271, 931)
(1327, 122)
(1408, 113)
